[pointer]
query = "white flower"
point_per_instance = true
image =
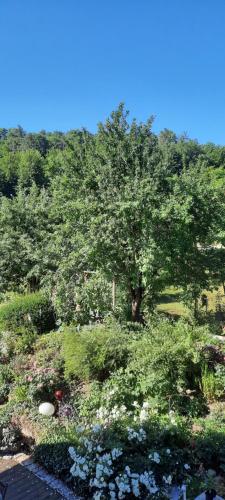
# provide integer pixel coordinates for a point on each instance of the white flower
(72, 452)
(127, 470)
(155, 457)
(187, 467)
(96, 428)
(88, 444)
(136, 435)
(76, 471)
(97, 495)
(135, 487)
(143, 415)
(123, 484)
(80, 428)
(116, 453)
(168, 451)
(168, 479)
(146, 405)
(147, 478)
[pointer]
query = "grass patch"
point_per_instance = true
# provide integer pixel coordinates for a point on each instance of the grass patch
(170, 302)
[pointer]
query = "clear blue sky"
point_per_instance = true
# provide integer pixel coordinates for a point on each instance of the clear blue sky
(68, 63)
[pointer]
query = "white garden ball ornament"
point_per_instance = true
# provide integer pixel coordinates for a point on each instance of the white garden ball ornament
(47, 409)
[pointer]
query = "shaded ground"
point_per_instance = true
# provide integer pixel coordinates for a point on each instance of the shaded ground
(22, 484)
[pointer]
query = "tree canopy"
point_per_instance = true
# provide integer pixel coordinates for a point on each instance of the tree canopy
(124, 205)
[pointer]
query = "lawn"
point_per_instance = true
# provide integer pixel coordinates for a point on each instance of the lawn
(170, 302)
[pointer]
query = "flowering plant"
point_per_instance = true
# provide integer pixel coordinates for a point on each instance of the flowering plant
(121, 458)
(40, 382)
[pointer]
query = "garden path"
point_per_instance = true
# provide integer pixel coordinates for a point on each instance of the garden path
(23, 484)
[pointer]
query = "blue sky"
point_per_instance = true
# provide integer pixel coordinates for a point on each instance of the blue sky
(68, 63)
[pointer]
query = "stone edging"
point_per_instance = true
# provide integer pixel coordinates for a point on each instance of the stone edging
(54, 483)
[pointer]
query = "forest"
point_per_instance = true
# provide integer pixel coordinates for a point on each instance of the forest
(97, 232)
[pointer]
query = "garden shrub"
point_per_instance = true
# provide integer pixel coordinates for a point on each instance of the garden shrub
(167, 361)
(164, 367)
(10, 437)
(7, 346)
(93, 353)
(19, 341)
(19, 393)
(33, 311)
(6, 378)
(209, 443)
(52, 451)
(210, 386)
(131, 459)
(48, 350)
(4, 392)
(24, 341)
(38, 384)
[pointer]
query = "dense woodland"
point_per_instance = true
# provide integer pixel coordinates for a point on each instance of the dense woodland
(79, 210)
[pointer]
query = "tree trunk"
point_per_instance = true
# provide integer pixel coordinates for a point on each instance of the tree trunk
(137, 296)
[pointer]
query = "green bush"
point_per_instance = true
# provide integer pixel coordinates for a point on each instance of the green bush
(6, 378)
(52, 451)
(167, 362)
(32, 311)
(7, 346)
(48, 350)
(209, 384)
(19, 394)
(24, 341)
(131, 449)
(95, 352)
(163, 366)
(209, 443)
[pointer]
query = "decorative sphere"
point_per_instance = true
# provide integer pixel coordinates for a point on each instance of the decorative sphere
(59, 395)
(46, 409)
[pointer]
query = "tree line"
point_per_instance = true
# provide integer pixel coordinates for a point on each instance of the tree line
(80, 210)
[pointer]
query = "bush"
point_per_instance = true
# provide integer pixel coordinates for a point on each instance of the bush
(6, 378)
(52, 451)
(209, 443)
(19, 394)
(10, 437)
(32, 311)
(7, 346)
(48, 350)
(167, 362)
(93, 353)
(163, 366)
(131, 459)
(38, 384)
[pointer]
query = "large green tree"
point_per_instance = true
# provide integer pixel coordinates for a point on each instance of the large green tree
(134, 216)
(25, 228)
